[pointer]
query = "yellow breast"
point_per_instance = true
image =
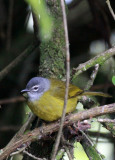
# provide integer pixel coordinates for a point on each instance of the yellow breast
(50, 108)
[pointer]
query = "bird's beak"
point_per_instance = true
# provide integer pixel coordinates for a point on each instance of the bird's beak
(24, 92)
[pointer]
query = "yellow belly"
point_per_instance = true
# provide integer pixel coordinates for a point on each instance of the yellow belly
(50, 108)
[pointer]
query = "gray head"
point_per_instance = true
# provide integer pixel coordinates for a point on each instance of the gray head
(35, 88)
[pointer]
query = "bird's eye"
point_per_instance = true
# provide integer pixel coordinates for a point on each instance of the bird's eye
(35, 88)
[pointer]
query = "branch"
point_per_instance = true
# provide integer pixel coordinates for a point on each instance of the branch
(110, 126)
(36, 134)
(68, 152)
(16, 61)
(101, 86)
(12, 100)
(9, 128)
(99, 59)
(32, 156)
(102, 135)
(26, 152)
(110, 9)
(22, 130)
(106, 120)
(57, 142)
(92, 77)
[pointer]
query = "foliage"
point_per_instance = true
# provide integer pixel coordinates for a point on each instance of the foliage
(44, 18)
(113, 80)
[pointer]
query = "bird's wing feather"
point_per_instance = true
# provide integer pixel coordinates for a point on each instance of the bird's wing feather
(58, 89)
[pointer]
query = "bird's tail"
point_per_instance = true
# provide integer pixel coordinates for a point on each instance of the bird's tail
(95, 94)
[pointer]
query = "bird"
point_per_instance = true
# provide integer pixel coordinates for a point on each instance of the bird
(45, 97)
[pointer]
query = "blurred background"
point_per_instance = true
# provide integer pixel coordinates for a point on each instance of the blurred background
(91, 30)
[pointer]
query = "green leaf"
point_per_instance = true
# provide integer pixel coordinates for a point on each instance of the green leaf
(79, 152)
(44, 18)
(113, 80)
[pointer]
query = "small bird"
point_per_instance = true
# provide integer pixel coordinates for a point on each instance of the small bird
(45, 97)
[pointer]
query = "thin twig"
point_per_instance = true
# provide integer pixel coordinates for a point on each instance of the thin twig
(9, 128)
(22, 129)
(19, 150)
(102, 135)
(32, 156)
(68, 153)
(16, 61)
(98, 135)
(70, 119)
(106, 120)
(99, 59)
(110, 9)
(101, 86)
(89, 140)
(12, 100)
(66, 143)
(88, 144)
(55, 148)
(9, 27)
(92, 77)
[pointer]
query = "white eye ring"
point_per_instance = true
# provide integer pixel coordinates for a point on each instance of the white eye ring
(35, 88)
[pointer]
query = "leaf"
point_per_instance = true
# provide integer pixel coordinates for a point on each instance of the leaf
(79, 152)
(44, 18)
(113, 80)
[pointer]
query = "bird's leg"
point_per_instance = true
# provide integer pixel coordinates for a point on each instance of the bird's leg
(84, 125)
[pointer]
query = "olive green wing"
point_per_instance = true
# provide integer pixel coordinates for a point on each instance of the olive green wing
(57, 89)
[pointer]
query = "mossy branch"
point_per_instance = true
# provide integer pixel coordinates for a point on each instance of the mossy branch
(52, 59)
(99, 59)
(110, 126)
(36, 134)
